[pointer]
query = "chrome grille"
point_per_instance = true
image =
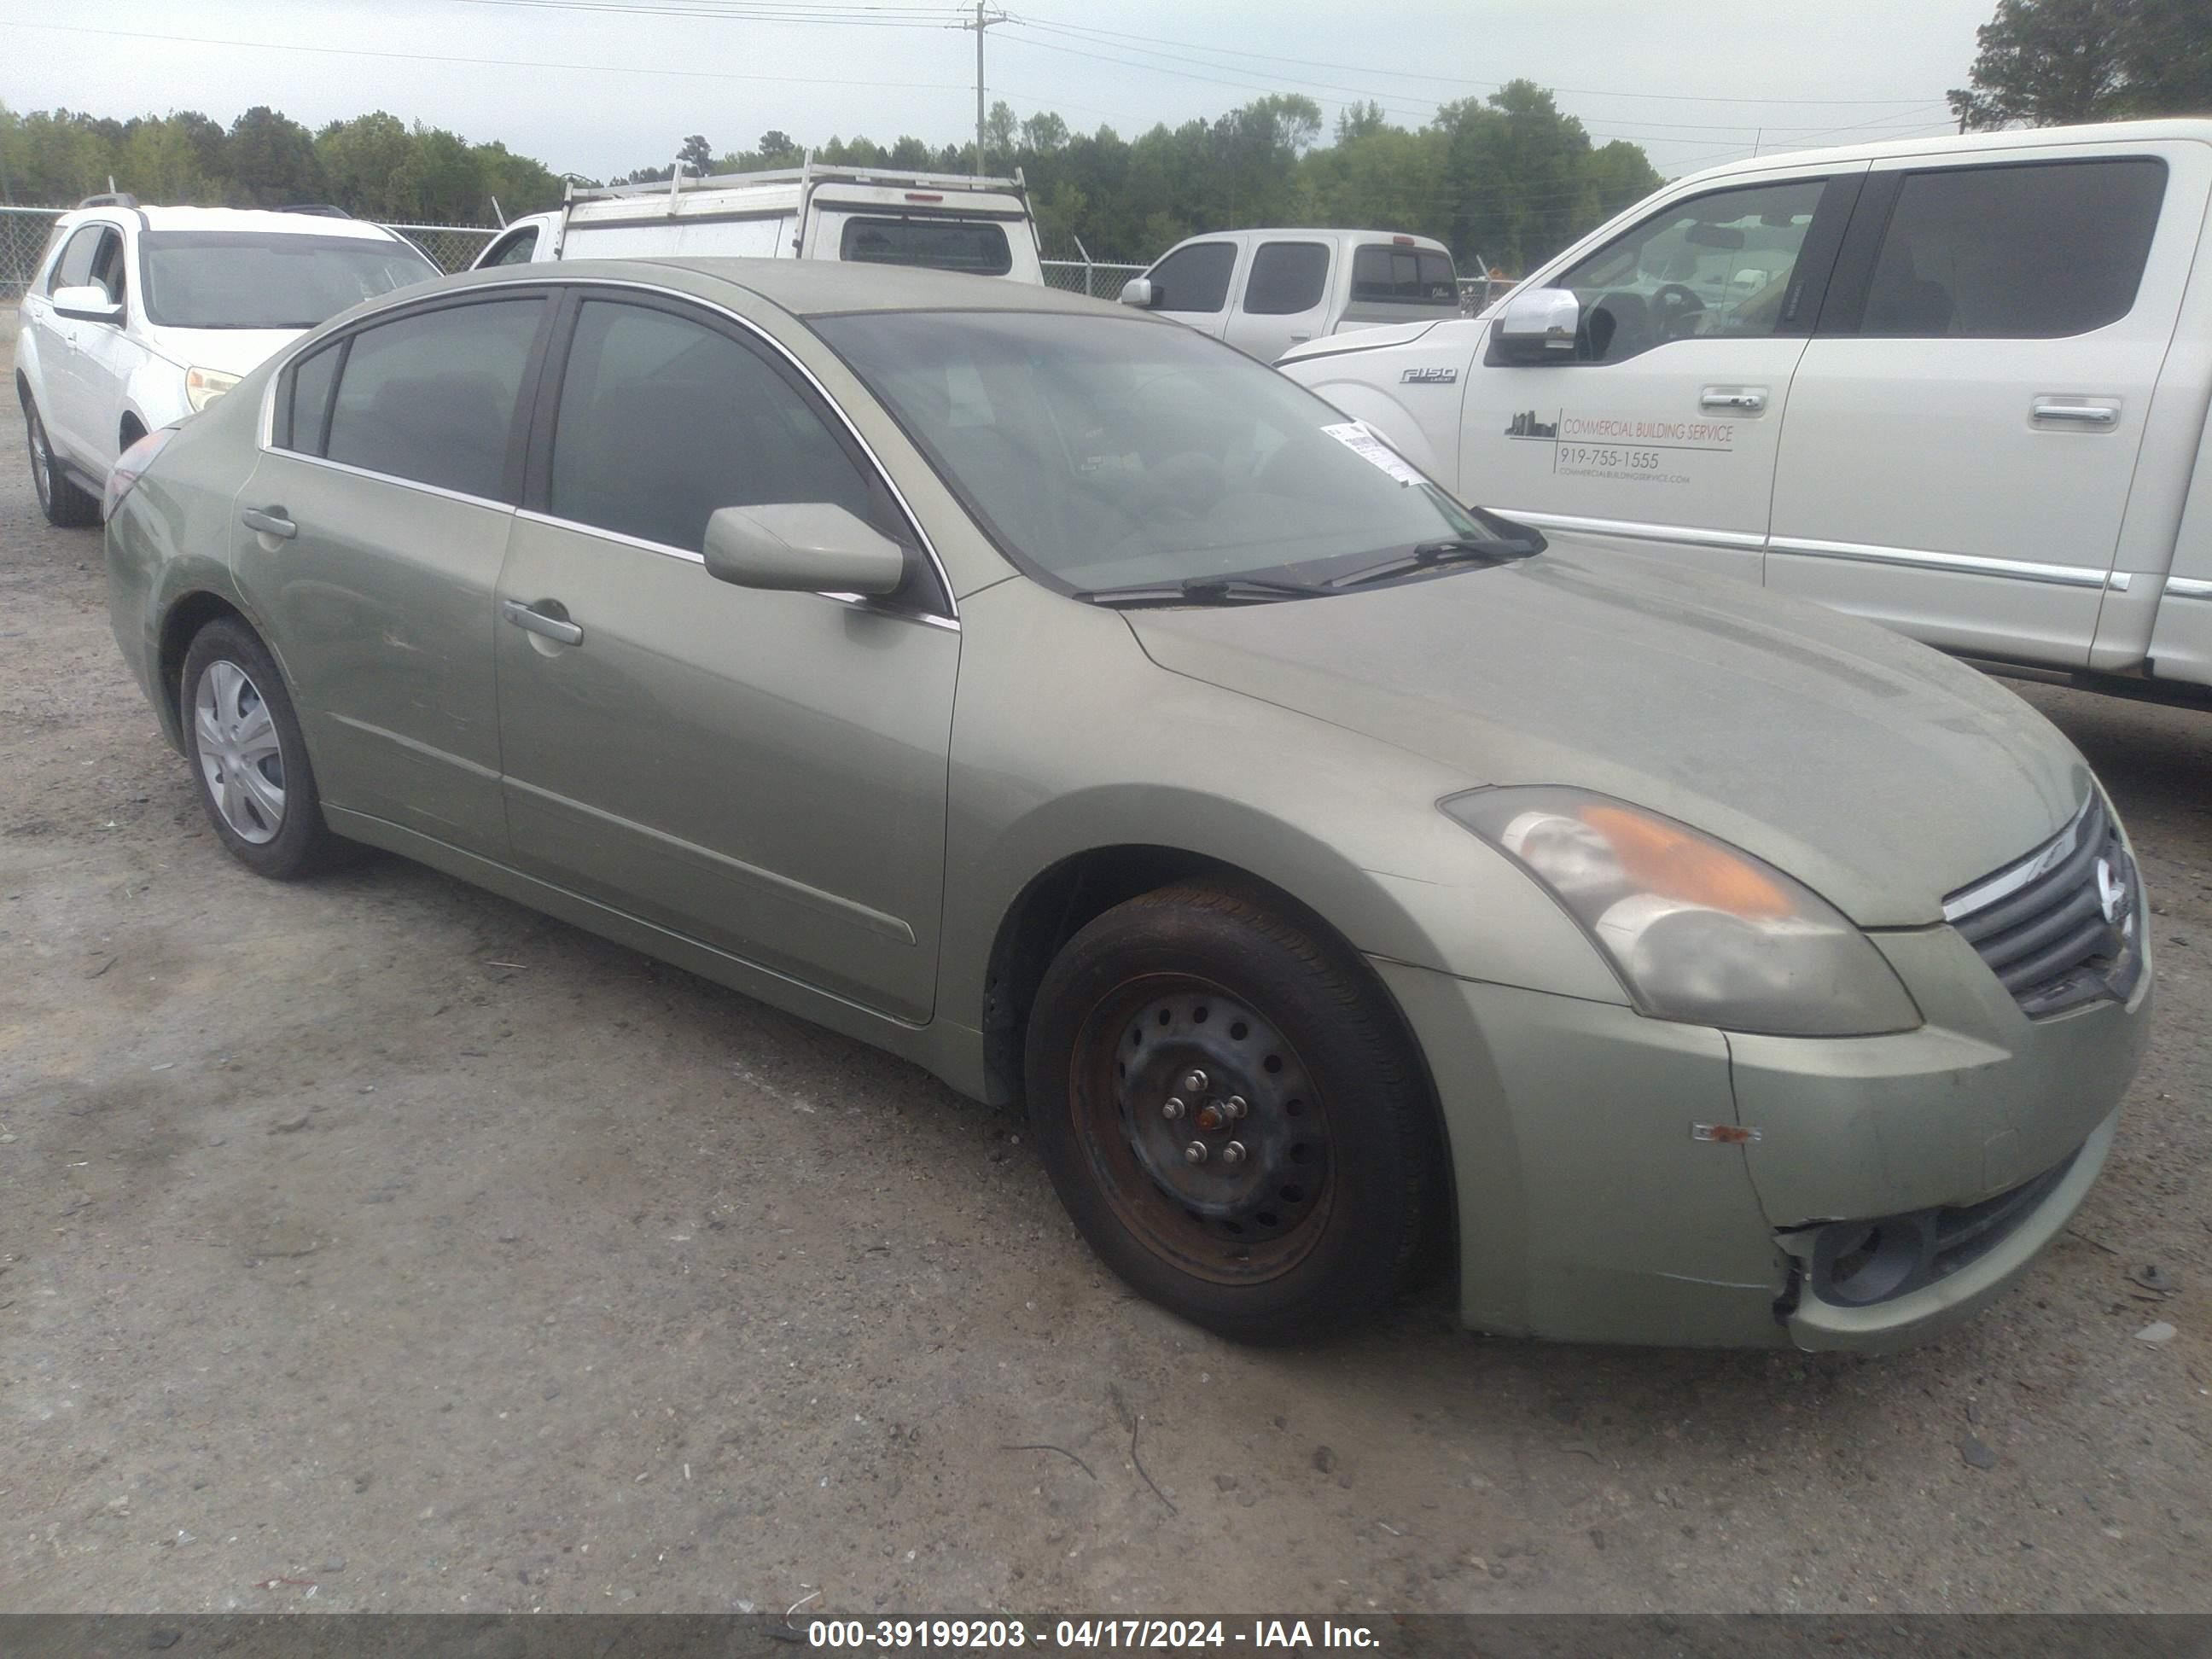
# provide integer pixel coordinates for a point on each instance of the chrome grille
(2061, 926)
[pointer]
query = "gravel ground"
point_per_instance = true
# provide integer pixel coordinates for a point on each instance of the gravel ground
(378, 1244)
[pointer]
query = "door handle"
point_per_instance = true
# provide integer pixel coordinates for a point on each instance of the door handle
(2050, 408)
(269, 522)
(1744, 399)
(531, 621)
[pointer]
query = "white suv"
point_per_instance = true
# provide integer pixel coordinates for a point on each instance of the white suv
(137, 317)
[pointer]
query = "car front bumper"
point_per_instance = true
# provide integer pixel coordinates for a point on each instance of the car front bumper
(1622, 1179)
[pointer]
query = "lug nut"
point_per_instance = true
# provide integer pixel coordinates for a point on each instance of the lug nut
(1194, 1083)
(1172, 1109)
(1233, 1152)
(1234, 1107)
(1196, 1152)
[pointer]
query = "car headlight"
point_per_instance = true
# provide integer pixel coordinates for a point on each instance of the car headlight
(204, 385)
(1697, 930)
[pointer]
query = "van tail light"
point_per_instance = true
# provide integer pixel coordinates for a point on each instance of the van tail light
(923, 196)
(130, 467)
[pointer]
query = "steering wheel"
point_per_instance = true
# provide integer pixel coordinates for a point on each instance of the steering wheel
(1674, 305)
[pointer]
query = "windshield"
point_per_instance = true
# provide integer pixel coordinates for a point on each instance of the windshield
(1105, 453)
(241, 279)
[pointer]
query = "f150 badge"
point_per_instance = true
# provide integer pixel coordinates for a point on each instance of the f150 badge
(1440, 376)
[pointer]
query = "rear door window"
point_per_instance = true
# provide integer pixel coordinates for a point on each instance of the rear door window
(1195, 278)
(2020, 252)
(1386, 275)
(978, 246)
(1287, 277)
(431, 398)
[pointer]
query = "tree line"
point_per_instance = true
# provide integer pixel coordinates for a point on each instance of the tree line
(2052, 62)
(1507, 179)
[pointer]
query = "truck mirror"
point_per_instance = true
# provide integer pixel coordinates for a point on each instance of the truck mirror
(1539, 326)
(1138, 291)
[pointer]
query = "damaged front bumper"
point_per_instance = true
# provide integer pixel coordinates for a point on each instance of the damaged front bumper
(1622, 1179)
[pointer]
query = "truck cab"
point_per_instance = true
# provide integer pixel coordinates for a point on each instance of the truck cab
(1266, 291)
(1957, 385)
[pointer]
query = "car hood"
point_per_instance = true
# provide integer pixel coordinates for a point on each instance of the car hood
(230, 350)
(1878, 771)
(1361, 337)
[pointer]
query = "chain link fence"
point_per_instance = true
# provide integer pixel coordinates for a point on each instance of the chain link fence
(1100, 280)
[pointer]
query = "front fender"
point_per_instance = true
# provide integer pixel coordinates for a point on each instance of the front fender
(1110, 749)
(155, 394)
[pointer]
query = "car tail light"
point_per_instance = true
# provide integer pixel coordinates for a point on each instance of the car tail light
(131, 466)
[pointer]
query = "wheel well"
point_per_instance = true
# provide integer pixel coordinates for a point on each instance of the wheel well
(23, 388)
(1059, 903)
(185, 619)
(131, 431)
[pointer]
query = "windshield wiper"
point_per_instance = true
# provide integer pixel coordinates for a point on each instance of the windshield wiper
(1448, 550)
(1205, 590)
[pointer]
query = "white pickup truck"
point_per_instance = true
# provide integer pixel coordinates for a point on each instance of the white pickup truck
(869, 214)
(1956, 385)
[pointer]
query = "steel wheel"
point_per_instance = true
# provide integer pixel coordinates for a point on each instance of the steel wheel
(241, 761)
(1206, 1132)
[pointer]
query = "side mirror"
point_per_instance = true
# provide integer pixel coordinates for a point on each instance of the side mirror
(801, 547)
(87, 304)
(1138, 291)
(1538, 324)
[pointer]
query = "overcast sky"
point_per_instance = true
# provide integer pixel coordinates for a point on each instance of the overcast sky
(1707, 79)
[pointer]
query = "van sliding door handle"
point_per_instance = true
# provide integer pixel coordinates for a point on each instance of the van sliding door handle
(2050, 408)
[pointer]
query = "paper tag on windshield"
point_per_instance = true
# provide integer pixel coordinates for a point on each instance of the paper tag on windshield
(1358, 437)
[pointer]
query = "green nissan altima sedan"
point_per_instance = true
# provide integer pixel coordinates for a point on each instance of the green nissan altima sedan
(1056, 697)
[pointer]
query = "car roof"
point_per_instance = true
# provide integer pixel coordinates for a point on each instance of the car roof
(809, 288)
(1951, 144)
(257, 220)
(1313, 234)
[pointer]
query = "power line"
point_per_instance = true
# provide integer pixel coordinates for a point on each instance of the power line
(1453, 79)
(502, 63)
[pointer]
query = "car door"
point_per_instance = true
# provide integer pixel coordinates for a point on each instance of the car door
(66, 406)
(370, 537)
(1285, 299)
(107, 355)
(1659, 434)
(1193, 284)
(762, 772)
(1962, 441)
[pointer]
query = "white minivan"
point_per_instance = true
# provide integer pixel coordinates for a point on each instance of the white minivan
(869, 214)
(1958, 385)
(1264, 291)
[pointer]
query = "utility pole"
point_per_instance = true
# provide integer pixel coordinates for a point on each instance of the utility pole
(982, 23)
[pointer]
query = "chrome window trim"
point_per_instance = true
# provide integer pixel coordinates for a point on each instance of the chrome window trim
(1969, 901)
(862, 601)
(2187, 588)
(394, 478)
(1957, 564)
(535, 275)
(1673, 534)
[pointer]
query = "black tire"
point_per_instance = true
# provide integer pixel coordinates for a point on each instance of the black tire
(1319, 1221)
(64, 504)
(298, 843)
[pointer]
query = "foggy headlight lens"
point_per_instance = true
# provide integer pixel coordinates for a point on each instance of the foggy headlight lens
(1697, 930)
(204, 385)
